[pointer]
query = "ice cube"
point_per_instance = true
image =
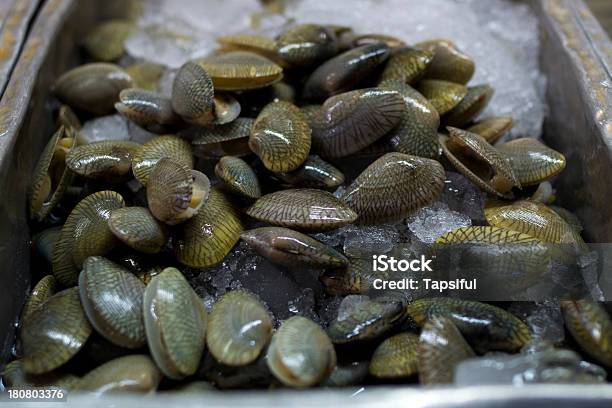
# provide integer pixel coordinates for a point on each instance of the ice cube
(349, 304)
(111, 127)
(461, 195)
(544, 318)
(429, 223)
(368, 240)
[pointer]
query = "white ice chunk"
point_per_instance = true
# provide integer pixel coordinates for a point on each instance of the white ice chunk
(111, 127)
(429, 223)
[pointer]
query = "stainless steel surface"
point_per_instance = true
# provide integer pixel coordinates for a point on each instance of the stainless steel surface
(576, 56)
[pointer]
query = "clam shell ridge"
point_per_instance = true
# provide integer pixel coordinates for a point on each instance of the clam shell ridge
(394, 186)
(147, 155)
(238, 176)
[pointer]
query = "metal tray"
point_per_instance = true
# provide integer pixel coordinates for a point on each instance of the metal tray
(577, 58)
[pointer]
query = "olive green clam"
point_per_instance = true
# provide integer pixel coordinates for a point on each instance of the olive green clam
(531, 160)
(14, 376)
(449, 62)
(314, 173)
(146, 75)
(239, 327)
(93, 87)
(175, 192)
(394, 186)
(304, 209)
(133, 373)
(238, 177)
(357, 279)
(474, 102)
(406, 65)
(85, 233)
(137, 228)
(175, 322)
(112, 299)
(54, 332)
(148, 154)
(46, 287)
(67, 118)
(193, 93)
(105, 42)
(443, 95)
(209, 236)
(491, 129)
(241, 70)
(147, 109)
(301, 354)
(396, 357)
(280, 136)
(306, 44)
(351, 121)
(257, 44)
(591, 326)
(287, 247)
(109, 160)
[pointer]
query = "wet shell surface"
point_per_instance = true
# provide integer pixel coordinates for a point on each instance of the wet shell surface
(241, 70)
(133, 373)
(396, 357)
(406, 65)
(480, 162)
(590, 325)
(239, 327)
(147, 155)
(394, 186)
(44, 289)
(535, 219)
(175, 322)
(305, 209)
(280, 137)
(357, 279)
(474, 102)
(85, 233)
(192, 94)
(209, 236)
(14, 376)
(306, 44)
(226, 109)
(137, 228)
(147, 109)
(344, 71)
(93, 87)
(175, 193)
(348, 122)
(235, 130)
(112, 299)
(54, 332)
(441, 348)
(301, 354)
(238, 176)
(287, 247)
(315, 173)
(491, 129)
(532, 161)
(105, 160)
(449, 63)
(417, 132)
(443, 95)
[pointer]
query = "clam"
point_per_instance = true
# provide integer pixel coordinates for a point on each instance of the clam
(226, 109)
(394, 186)
(305, 209)
(396, 357)
(54, 332)
(235, 130)
(147, 155)
(406, 65)
(14, 376)
(46, 287)
(133, 373)
(175, 324)
(569, 217)
(239, 327)
(105, 42)
(471, 105)
(85, 233)
(367, 39)
(301, 354)
(109, 160)
(485, 326)
(491, 129)
(417, 132)
(449, 63)
(146, 75)
(175, 193)
(44, 242)
(238, 177)
(306, 44)
(93, 87)
(532, 161)
(112, 299)
(349, 122)
(480, 162)
(148, 109)
(192, 94)
(258, 44)
(441, 348)
(342, 72)
(241, 70)
(287, 247)
(343, 375)
(535, 219)
(443, 95)
(590, 325)
(314, 173)
(358, 278)
(67, 118)
(280, 137)
(361, 318)
(51, 176)
(209, 236)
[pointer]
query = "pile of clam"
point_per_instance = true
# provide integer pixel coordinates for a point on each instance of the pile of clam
(275, 118)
